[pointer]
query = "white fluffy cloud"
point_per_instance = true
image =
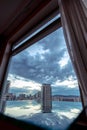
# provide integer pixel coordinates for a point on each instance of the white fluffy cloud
(20, 82)
(64, 60)
(69, 82)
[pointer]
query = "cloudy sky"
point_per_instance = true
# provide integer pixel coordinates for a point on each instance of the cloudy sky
(46, 61)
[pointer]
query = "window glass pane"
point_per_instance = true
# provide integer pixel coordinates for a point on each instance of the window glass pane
(43, 87)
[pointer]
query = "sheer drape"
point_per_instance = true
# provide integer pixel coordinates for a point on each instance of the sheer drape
(74, 22)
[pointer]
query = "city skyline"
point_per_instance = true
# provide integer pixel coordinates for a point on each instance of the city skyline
(23, 85)
(23, 96)
(44, 97)
(44, 93)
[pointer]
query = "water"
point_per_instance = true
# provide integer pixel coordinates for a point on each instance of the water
(22, 108)
(65, 106)
(63, 113)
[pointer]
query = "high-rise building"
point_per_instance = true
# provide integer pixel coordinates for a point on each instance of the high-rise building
(46, 100)
(4, 96)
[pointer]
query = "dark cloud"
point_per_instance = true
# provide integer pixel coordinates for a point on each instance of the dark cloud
(43, 67)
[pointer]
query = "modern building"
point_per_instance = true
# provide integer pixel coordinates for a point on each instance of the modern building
(4, 95)
(22, 96)
(46, 99)
(11, 96)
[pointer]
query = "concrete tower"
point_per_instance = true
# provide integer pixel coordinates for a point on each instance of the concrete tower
(46, 100)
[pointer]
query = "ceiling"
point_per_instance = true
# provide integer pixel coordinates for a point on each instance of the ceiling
(20, 16)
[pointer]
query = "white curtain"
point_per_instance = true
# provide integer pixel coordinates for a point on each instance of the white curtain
(74, 22)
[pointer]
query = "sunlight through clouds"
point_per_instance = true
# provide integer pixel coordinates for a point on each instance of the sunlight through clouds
(69, 82)
(64, 60)
(20, 82)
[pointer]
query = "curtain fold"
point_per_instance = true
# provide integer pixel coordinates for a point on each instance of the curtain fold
(74, 22)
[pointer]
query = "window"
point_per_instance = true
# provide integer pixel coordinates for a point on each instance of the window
(45, 62)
